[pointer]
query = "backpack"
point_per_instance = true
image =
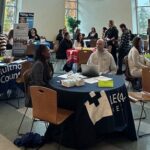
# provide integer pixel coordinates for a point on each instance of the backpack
(30, 140)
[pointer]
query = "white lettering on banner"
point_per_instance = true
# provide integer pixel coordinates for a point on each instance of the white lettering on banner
(116, 101)
(5, 79)
(10, 72)
(10, 68)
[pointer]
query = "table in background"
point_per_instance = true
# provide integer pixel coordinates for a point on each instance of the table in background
(31, 48)
(80, 131)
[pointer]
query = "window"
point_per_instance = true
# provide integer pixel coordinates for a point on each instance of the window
(9, 15)
(71, 7)
(143, 14)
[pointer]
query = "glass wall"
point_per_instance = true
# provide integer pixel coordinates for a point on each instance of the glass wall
(71, 7)
(10, 13)
(143, 14)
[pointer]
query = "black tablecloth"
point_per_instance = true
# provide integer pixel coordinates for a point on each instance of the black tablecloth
(8, 75)
(80, 131)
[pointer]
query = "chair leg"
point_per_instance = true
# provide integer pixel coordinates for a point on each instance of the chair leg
(46, 124)
(142, 110)
(18, 131)
(33, 120)
(61, 136)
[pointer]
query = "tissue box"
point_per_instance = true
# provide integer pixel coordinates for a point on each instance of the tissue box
(72, 82)
(79, 82)
(68, 83)
(107, 83)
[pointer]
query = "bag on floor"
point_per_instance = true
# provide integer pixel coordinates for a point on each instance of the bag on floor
(30, 140)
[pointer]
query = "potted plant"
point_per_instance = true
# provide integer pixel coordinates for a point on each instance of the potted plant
(72, 24)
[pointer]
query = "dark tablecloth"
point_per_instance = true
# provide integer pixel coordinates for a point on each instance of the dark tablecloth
(8, 75)
(80, 132)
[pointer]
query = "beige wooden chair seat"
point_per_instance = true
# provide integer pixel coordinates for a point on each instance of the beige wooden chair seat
(44, 102)
(142, 97)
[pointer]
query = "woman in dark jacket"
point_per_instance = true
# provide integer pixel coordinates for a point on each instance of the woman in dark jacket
(63, 46)
(93, 34)
(42, 70)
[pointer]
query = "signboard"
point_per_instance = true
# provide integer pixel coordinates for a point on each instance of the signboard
(25, 17)
(20, 38)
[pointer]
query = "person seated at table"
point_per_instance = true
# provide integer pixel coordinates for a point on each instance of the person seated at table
(136, 60)
(65, 44)
(77, 32)
(104, 30)
(93, 34)
(59, 36)
(10, 39)
(33, 35)
(79, 41)
(42, 70)
(103, 59)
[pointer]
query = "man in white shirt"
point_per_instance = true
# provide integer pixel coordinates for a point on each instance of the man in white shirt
(103, 59)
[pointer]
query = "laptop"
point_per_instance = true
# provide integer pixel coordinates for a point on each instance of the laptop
(89, 70)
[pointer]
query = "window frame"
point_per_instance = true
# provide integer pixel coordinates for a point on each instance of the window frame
(137, 17)
(7, 6)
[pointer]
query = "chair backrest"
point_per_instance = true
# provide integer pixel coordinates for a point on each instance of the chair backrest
(93, 43)
(83, 56)
(30, 50)
(145, 45)
(146, 79)
(127, 71)
(44, 103)
(25, 66)
(26, 81)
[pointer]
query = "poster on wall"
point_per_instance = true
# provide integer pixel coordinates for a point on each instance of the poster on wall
(25, 17)
(20, 38)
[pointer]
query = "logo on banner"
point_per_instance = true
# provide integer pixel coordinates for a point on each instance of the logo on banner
(98, 106)
(116, 100)
(10, 72)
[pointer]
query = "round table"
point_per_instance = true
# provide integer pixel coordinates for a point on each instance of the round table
(55, 84)
(80, 131)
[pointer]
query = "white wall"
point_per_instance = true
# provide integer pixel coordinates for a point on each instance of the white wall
(49, 15)
(97, 13)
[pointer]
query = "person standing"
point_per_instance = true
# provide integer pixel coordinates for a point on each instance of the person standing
(124, 46)
(112, 39)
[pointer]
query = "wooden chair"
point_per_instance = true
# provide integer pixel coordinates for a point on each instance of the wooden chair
(30, 50)
(20, 80)
(145, 45)
(28, 104)
(128, 76)
(142, 97)
(146, 79)
(44, 101)
(83, 56)
(93, 42)
(25, 66)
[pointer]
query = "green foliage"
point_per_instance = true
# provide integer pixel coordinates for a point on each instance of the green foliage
(72, 23)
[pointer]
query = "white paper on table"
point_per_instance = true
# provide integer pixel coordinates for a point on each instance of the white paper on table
(64, 76)
(103, 78)
(90, 80)
(19, 61)
(3, 64)
(72, 75)
(96, 79)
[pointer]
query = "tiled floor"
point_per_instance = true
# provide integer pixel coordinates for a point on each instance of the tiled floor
(11, 117)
